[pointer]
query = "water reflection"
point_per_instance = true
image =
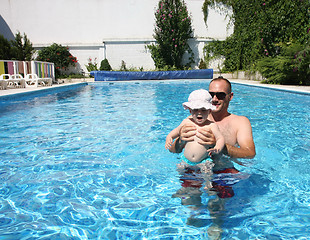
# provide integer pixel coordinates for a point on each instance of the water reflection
(216, 198)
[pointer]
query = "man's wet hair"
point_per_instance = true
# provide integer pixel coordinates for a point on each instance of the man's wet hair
(223, 79)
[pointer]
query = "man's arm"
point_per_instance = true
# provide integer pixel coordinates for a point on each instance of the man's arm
(245, 141)
(244, 138)
(240, 152)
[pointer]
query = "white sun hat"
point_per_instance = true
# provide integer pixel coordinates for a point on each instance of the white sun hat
(199, 99)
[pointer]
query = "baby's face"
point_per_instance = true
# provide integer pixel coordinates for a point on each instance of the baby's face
(200, 116)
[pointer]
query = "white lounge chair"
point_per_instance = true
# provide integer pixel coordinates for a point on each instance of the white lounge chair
(14, 80)
(32, 79)
(3, 81)
(17, 81)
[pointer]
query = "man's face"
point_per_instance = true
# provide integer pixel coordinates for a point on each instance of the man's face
(221, 95)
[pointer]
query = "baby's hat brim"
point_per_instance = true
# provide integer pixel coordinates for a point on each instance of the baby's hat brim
(198, 105)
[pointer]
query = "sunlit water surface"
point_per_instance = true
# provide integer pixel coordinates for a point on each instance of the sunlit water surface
(90, 163)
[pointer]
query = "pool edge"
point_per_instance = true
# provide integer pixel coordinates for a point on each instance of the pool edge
(284, 88)
(28, 92)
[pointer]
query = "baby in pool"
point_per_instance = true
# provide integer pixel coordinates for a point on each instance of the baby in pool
(199, 105)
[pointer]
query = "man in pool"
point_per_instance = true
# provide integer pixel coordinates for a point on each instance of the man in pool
(237, 131)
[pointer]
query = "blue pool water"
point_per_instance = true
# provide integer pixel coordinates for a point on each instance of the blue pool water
(90, 163)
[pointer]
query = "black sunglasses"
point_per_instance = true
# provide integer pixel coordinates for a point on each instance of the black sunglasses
(219, 95)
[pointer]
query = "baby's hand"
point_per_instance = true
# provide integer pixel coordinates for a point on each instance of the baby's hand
(213, 151)
(169, 141)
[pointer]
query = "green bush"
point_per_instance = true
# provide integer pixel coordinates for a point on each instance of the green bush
(123, 66)
(276, 70)
(302, 65)
(172, 30)
(291, 67)
(72, 75)
(91, 66)
(59, 55)
(260, 30)
(105, 65)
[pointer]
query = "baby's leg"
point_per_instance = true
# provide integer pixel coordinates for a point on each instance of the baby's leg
(206, 170)
(206, 167)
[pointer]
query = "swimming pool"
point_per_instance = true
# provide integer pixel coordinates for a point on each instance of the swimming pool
(90, 163)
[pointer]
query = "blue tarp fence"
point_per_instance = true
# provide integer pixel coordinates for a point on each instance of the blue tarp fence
(152, 75)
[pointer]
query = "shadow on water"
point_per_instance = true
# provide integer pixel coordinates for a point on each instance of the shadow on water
(219, 201)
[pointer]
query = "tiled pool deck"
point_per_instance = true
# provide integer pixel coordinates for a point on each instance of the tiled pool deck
(291, 88)
(12, 91)
(300, 89)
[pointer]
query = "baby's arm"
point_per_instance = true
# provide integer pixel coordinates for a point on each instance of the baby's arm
(220, 141)
(174, 134)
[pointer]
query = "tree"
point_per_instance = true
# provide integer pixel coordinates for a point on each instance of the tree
(21, 48)
(105, 65)
(18, 49)
(172, 31)
(5, 48)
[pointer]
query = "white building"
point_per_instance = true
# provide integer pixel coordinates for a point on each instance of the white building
(114, 29)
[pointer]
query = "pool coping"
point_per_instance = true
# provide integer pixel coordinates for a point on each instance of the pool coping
(286, 88)
(16, 92)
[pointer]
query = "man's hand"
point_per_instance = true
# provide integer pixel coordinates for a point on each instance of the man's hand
(206, 137)
(187, 133)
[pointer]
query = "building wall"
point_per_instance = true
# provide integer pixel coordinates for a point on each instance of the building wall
(116, 29)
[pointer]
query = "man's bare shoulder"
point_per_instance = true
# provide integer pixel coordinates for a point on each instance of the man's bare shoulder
(238, 122)
(233, 122)
(234, 117)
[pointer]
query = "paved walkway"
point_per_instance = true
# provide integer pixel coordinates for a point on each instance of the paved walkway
(301, 89)
(11, 91)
